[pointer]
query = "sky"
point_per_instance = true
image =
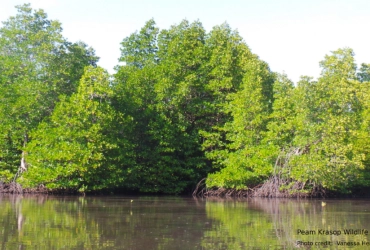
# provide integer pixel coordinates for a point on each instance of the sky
(292, 36)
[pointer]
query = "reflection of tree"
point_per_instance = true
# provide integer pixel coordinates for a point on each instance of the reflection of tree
(273, 223)
(149, 222)
(239, 227)
(171, 222)
(101, 223)
(41, 222)
(289, 215)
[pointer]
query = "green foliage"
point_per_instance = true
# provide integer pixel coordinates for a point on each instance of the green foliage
(72, 149)
(182, 91)
(364, 73)
(37, 65)
(139, 49)
(317, 127)
(184, 104)
(158, 94)
(234, 143)
(317, 132)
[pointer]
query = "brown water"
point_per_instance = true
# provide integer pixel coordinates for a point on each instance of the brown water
(119, 222)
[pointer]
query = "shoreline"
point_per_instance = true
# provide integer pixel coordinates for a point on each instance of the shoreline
(200, 191)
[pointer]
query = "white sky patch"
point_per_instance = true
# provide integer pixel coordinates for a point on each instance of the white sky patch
(291, 36)
(43, 4)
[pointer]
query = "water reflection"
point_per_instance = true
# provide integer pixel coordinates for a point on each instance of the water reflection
(274, 223)
(50, 222)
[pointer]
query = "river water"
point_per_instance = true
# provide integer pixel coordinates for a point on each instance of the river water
(147, 222)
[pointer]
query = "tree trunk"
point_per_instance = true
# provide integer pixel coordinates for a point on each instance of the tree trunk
(23, 166)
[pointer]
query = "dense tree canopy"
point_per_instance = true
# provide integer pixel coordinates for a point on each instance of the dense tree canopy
(37, 65)
(185, 104)
(318, 125)
(72, 148)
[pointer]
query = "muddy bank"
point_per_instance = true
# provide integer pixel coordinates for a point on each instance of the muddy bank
(276, 187)
(16, 188)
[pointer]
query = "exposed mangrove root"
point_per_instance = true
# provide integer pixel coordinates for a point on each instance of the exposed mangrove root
(278, 185)
(279, 188)
(201, 190)
(16, 188)
(11, 188)
(274, 187)
(227, 192)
